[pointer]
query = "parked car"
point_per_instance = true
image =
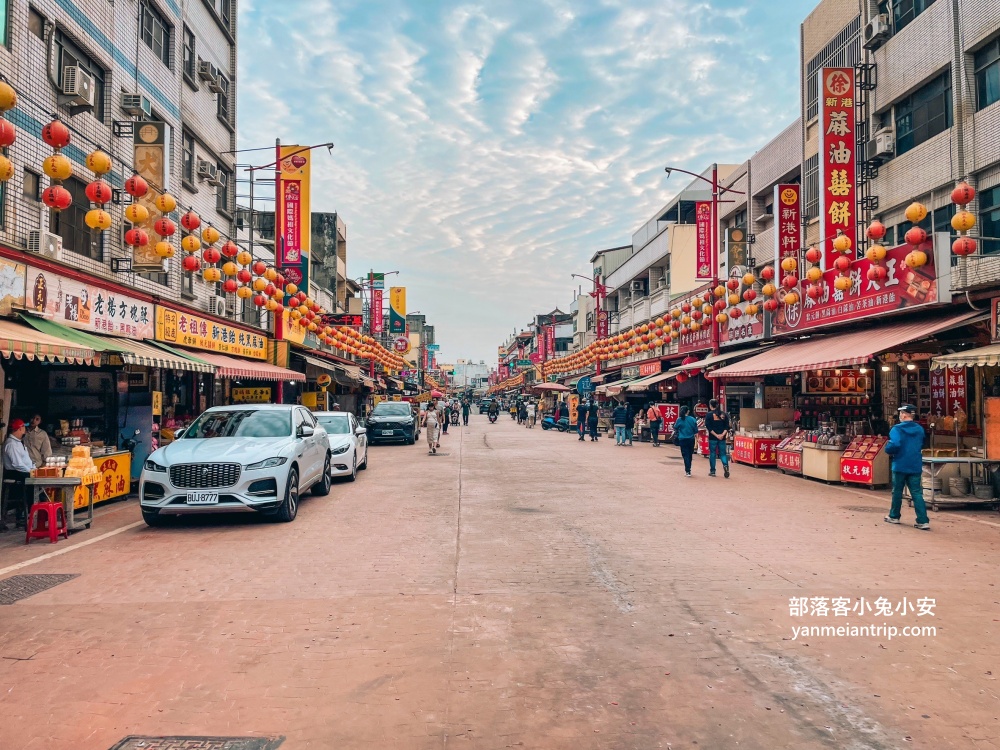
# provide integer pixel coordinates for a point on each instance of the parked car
(235, 459)
(348, 443)
(390, 421)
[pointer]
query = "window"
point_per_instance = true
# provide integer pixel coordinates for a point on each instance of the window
(190, 56)
(904, 11)
(70, 225)
(987, 64)
(156, 33)
(66, 54)
(224, 9)
(32, 185)
(187, 169)
(224, 99)
(989, 220)
(36, 23)
(222, 195)
(4, 25)
(924, 113)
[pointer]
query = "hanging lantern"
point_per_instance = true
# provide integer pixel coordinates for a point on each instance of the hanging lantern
(164, 249)
(190, 244)
(842, 264)
(915, 259)
(210, 235)
(190, 221)
(136, 213)
(877, 273)
(244, 292)
(815, 291)
(790, 299)
(244, 276)
(8, 134)
(721, 318)
(963, 246)
(6, 169)
(211, 255)
(271, 290)
(720, 304)
(98, 219)
(58, 167)
(842, 283)
(57, 197)
(749, 279)
(916, 236)
(814, 274)
(875, 230)
(813, 255)
(735, 313)
(767, 273)
(963, 194)
(291, 289)
(271, 274)
(211, 275)
(229, 286)
(788, 265)
(963, 221)
(98, 162)
(230, 249)
(244, 258)
(753, 309)
(230, 269)
(771, 305)
(136, 186)
(98, 192)
(916, 212)
(733, 284)
(259, 284)
(749, 295)
(56, 134)
(790, 281)
(8, 96)
(733, 299)
(719, 291)
(876, 253)
(136, 238)
(191, 263)
(164, 227)
(842, 243)
(271, 305)
(165, 203)
(706, 309)
(259, 268)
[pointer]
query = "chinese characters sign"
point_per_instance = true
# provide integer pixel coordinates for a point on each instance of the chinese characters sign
(550, 341)
(251, 395)
(949, 392)
(175, 327)
(788, 460)
(78, 304)
(149, 148)
(837, 177)
(703, 229)
(649, 368)
(787, 222)
(376, 311)
(293, 214)
(397, 309)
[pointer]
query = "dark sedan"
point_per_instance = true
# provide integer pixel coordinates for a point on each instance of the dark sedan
(392, 421)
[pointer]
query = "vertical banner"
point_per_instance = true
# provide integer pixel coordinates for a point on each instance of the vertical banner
(838, 183)
(376, 312)
(294, 228)
(736, 251)
(397, 309)
(150, 163)
(703, 224)
(550, 342)
(949, 392)
(787, 223)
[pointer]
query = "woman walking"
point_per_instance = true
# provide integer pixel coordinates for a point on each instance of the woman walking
(686, 430)
(432, 420)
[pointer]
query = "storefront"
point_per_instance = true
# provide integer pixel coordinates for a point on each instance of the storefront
(345, 391)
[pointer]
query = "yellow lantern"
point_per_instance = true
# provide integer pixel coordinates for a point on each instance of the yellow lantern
(98, 162)
(916, 259)
(164, 249)
(842, 283)
(753, 309)
(165, 203)
(719, 291)
(98, 219)
(271, 305)
(245, 292)
(6, 169)
(791, 298)
(734, 299)
(768, 290)
(190, 244)
(278, 296)
(58, 167)
(814, 274)
(211, 274)
(271, 273)
(721, 318)
(749, 279)
(876, 253)
(136, 213)
(789, 264)
(259, 284)
(230, 269)
(916, 212)
(8, 97)
(686, 320)
(290, 289)
(842, 243)
(313, 327)
(210, 235)
(695, 325)
(294, 313)
(707, 309)
(244, 258)
(963, 221)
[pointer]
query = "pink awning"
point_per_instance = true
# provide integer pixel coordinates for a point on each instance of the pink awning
(233, 367)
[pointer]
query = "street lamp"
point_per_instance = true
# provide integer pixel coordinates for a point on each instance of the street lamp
(371, 309)
(599, 294)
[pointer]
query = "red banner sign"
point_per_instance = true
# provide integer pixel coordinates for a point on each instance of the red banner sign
(668, 415)
(649, 368)
(837, 162)
(857, 470)
(787, 223)
(703, 227)
(376, 311)
(291, 251)
(743, 449)
(550, 341)
(790, 461)
(602, 324)
(949, 392)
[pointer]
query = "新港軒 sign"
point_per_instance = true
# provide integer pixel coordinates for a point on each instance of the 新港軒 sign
(787, 223)
(184, 329)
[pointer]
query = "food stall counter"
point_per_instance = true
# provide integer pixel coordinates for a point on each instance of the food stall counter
(821, 461)
(757, 448)
(789, 454)
(865, 461)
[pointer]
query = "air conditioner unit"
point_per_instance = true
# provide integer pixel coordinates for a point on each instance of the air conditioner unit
(638, 286)
(78, 86)
(216, 84)
(45, 243)
(877, 31)
(136, 105)
(207, 171)
(217, 306)
(207, 71)
(882, 146)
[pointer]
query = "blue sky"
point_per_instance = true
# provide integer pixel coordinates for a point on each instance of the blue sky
(487, 149)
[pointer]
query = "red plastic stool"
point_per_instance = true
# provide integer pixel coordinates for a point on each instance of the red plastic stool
(54, 518)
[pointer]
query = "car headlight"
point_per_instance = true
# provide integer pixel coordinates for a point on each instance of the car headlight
(267, 463)
(153, 466)
(341, 449)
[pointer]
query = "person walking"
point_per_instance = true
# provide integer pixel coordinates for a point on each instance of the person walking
(445, 411)
(653, 415)
(906, 441)
(717, 425)
(581, 419)
(466, 408)
(532, 414)
(619, 418)
(522, 414)
(592, 420)
(431, 422)
(17, 465)
(686, 430)
(629, 422)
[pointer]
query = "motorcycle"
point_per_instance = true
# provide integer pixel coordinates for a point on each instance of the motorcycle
(454, 417)
(550, 424)
(493, 418)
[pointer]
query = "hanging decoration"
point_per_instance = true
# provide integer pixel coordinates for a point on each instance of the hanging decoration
(963, 221)
(916, 236)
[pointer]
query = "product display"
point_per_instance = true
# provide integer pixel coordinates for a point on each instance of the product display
(789, 453)
(865, 461)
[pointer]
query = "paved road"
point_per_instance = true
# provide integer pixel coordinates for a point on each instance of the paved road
(520, 589)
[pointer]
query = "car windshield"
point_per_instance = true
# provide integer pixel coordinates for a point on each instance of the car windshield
(392, 410)
(250, 423)
(338, 425)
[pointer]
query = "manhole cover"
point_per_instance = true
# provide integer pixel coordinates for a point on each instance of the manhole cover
(16, 588)
(199, 743)
(862, 509)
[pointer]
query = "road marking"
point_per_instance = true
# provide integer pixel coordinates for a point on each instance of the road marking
(64, 550)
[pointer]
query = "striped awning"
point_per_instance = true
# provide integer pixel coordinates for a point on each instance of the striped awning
(234, 367)
(25, 342)
(984, 356)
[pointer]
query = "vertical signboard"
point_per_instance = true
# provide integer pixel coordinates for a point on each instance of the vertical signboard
(837, 176)
(294, 227)
(949, 392)
(150, 163)
(703, 227)
(397, 309)
(376, 311)
(736, 251)
(550, 342)
(787, 223)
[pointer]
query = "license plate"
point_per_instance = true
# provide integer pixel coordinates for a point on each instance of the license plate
(202, 498)
(388, 432)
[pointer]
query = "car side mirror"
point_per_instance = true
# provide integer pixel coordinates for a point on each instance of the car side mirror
(304, 431)
(179, 433)
(362, 430)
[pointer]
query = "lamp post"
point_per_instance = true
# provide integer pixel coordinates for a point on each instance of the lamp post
(371, 308)
(599, 294)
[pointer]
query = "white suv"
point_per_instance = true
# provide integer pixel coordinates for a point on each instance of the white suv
(253, 458)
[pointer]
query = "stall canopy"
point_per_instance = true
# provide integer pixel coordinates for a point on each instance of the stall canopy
(840, 350)
(347, 375)
(232, 367)
(21, 341)
(556, 387)
(132, 352)
(643, 384)
(613, 389)
(986, 356)
(718, 359)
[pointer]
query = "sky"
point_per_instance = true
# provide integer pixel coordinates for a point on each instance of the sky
(485, 150)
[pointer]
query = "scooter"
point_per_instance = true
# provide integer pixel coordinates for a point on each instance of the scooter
(548, 423)
(493, 418)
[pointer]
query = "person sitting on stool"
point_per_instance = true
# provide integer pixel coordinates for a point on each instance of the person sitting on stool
(17, 465)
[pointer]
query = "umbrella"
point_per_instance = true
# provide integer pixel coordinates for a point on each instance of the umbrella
(436, 394)
(552, 387)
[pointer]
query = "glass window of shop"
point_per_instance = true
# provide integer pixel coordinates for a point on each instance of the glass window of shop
(989, 220)
(987, 67)
(924, 114)
(71, 225)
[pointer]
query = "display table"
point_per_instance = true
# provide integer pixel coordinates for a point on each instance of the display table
(866, 462)
(54, 489)
(976, 467)
(116, 478)
(789, 454)
(756, 448)
(821, 463)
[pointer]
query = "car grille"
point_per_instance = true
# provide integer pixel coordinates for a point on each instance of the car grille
(388, 425)
(204, 476)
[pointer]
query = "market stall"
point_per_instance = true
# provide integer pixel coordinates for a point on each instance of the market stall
(789, 453)
(756, 441)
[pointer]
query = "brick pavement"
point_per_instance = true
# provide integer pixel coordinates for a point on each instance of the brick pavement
(522, 589)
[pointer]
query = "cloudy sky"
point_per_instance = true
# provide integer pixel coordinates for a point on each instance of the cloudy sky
(485, 150)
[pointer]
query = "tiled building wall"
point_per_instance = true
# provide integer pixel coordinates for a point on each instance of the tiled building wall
(912, 56)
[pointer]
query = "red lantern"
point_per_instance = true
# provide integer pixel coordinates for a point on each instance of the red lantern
(245, 277)
(686, 307)
(229, 249)
(302, 296)
(136, 238)
(57, 197)
(963, 246)
(270, 290)
(191, 263)
(790, 282)
(681, 377)
(963, 194)
(99, 192)
(875, 231)
(230, 285)
(771, 305)
(877, 273)
(260, 300)
(767, 273)
(136, 186)
(842, 263)
(293, 301)
(735, 312)
(749, 295)
(56, 134)
(813, 255)
(190, 221)
(916, 236)
(720, 304)
(733, 284)
(8, 134)
(259, 267)
(164, 227)
(211, 255)
(814, 291)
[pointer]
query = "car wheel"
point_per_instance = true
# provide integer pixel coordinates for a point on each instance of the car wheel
(354, 469)
(290, 507)
(322, 487)
(364, 464)
(153, 518)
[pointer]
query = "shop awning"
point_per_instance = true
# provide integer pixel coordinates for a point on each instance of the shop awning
(132, 352)
(840, 350)
(645, 383)
(233, 367)
(368, 382)
(718, 359)
(577, 378)
(344, 374)
(22, 341)
(984, 356)
(613, 389)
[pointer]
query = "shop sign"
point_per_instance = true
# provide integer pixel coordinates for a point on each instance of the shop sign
(78, 304)
(250, 395)
(401, 345)
(743, 449)
(836, 381)
(649, 368)
(790, 461)
(157, 403)
(184, 329)
(903, 288)
(766, 452)
(294, 223)
(376, 311)
(949, 392)
(837, 178)
(777, 396)
(150, 163)
(630, 372)
(550, 341)
(584, 385)
(342, 319)
(535, 358)
(602, 324)
(12, 276)
(697, 341)
(994, 306)
(736, 251)
(524, 364)
(703, 229)
(397, 309)
(115, 481)
(437, 347)
(856, 470)
(787, 223)
(669, 413)
(742, 329)
(701, 409)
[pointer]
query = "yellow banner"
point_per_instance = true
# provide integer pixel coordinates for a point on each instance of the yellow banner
(250, 395)
(295, 216)
(116, 478)
(184, 329)
(397, 299)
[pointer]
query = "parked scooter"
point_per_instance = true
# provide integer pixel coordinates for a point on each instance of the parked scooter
(548, 423)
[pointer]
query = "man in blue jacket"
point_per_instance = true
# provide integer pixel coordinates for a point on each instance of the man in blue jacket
(906, 441)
